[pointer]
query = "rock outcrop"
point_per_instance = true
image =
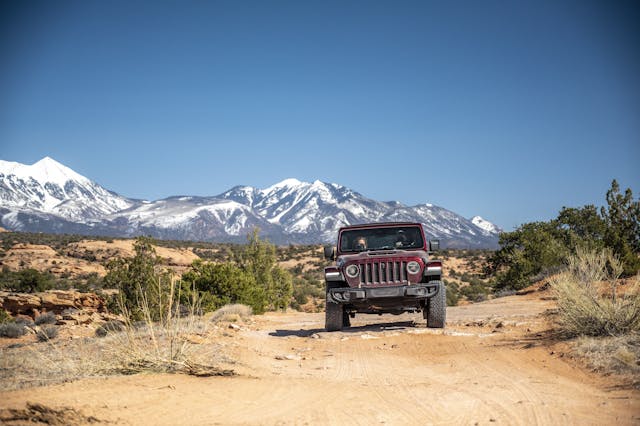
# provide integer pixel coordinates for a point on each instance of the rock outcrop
(57, 301)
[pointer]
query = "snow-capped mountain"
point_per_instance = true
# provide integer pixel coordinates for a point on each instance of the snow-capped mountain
(489, 227)
(48, 187)
(192, 218)
(49, 197)
(316, 208)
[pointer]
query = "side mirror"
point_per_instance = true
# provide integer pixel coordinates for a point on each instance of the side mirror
(434, 245)
(329, 252)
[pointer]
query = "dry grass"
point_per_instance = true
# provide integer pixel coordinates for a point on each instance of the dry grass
(47, 332)
(172, 344)
(605, 319)
(40, 364)
(181, 346)
(589, 302)
(612, 355)
(175, 344)
(41, 414)
(232, 313)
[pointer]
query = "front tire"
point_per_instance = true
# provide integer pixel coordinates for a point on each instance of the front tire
(334, 316)
(436, 310)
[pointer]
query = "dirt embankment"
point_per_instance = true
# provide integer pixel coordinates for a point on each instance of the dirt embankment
(493, 364)
(87, 256)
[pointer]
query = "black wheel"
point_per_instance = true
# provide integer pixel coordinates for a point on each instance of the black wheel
(346, 320)
(436, 310)
(334, 316)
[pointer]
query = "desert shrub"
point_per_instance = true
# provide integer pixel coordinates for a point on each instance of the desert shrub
(453, 293)
(529, 250)
(536, 250)
(219, 284)
(89, 282)
(258, 258)
(27, 322)
(47, 333)
(475, 292)
(252, 277)
(304, 290)
(587, 309)
(612, 355)
(109, 327)
(232, 313)
(141, 286)
(46, 318)
(26, 280)
(504, 293)
(12, 330)
(163, 346)
(5, 317)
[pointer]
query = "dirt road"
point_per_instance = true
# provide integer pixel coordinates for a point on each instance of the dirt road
(493, 364)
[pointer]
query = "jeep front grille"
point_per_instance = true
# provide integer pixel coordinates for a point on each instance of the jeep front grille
(383, 273)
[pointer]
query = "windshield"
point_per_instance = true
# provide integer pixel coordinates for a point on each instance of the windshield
(399, 237)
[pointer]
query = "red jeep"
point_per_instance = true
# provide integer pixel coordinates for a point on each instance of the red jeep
(383, 268)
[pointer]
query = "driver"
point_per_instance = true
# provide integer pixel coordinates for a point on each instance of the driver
(401, 239)
(360, 243)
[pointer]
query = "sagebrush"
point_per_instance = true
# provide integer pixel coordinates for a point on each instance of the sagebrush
(590, 302)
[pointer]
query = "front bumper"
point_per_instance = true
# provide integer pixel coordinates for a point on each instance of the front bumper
(364, 294)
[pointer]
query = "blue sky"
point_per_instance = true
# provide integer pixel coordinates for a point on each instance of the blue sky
(504, 109)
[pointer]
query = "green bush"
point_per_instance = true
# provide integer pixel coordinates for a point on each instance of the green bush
(5, 317)
(539, 249)
(26, 281)
(219, 284)
(475, 292)
(453, 293)
(251, 278)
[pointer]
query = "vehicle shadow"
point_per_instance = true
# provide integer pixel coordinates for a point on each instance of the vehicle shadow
(369, 328)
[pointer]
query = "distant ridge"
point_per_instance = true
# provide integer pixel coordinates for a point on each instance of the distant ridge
(50, 197)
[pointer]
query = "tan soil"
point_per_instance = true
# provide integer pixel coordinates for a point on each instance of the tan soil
(73, 262)
(43, 258)
(493, 364)
(177, 259)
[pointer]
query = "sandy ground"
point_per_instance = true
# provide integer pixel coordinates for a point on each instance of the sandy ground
(493, 364)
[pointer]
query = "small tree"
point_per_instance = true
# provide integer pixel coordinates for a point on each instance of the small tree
(622, 217)
(542, 247)
(531, 249)
(142, 287)
(258, 258)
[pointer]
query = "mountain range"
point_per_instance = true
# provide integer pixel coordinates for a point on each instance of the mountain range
(50, 197)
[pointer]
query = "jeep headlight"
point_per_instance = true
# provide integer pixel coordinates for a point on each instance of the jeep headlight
(413, 267)
(352, 271)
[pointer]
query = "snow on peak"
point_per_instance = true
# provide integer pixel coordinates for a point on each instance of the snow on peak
(46, 170)
(287, 183)
(48, 186)
(485, 225)
(52, 171)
